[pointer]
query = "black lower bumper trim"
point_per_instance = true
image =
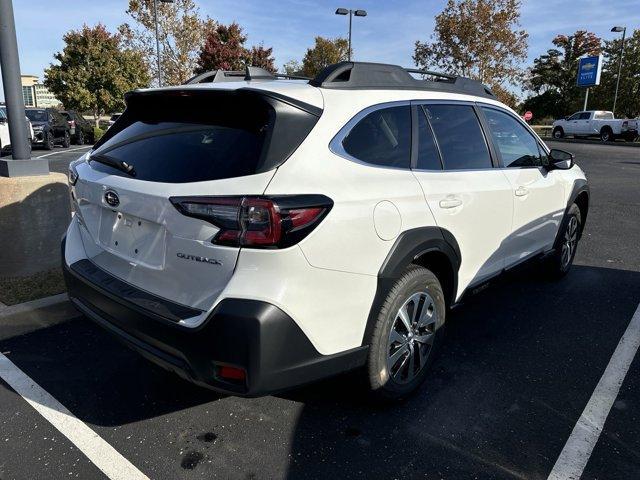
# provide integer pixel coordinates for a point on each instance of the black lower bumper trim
(251, 334)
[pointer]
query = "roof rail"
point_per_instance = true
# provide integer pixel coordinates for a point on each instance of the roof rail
(363, 75)
(250, 73)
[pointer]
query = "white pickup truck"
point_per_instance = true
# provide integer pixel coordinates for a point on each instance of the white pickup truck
(596, 123)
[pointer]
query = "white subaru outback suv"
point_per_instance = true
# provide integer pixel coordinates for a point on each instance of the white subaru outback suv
(253, 233)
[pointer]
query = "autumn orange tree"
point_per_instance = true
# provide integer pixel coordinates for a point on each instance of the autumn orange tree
(480, 39)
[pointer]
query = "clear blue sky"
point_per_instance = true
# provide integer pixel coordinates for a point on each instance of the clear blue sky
(387, 34)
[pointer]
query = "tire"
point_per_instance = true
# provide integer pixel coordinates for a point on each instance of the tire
(80, 138)
(417, 293)
(561, 260)
(67, 140)
(558, 132)
(606, 135)
(49, 142)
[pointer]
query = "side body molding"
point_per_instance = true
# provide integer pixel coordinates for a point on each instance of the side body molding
(410, 245)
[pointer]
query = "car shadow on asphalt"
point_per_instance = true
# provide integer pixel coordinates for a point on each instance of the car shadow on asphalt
(519, 363)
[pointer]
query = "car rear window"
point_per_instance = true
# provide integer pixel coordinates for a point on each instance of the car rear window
(37, 115)
(193, 137)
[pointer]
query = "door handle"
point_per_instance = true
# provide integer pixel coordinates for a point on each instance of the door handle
(521, 192)
(450, 202)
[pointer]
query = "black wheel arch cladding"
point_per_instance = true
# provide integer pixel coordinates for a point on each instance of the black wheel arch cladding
(409, 246)
(580, 195)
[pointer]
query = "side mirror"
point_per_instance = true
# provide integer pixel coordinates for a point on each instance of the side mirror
(566, 118)
(560, 160)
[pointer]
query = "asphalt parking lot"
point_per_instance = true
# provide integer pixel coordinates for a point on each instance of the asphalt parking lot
(520, 363)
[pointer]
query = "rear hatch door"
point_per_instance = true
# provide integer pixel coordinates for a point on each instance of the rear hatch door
(176, 144)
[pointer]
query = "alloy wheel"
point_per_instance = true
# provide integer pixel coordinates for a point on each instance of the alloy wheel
(570, 241)
(411, 337)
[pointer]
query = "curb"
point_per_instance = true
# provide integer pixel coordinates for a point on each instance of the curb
(30, 316)
(592, 142)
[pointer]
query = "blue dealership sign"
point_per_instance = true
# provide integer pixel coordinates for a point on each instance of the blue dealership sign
(589, 71)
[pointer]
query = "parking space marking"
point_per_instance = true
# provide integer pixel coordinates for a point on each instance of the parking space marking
(66, 150)
(103, 455)
(576, 452)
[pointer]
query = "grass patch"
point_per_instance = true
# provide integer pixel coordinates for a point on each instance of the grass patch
(23, 289)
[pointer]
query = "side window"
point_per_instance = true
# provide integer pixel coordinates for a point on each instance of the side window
(459, 136)
(428, 155)
(585, 116)
(575, 116)
(517, 146)
(382, 138)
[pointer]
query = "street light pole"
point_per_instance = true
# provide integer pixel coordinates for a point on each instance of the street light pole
(21, 164)
(351, 13)
(155, 15)
(624, 32)
(11, 81)
(350, 19)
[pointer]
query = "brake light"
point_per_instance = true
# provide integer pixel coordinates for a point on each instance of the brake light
(258, 222)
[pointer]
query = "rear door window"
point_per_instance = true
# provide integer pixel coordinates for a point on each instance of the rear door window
(459, 136)
(382, 138)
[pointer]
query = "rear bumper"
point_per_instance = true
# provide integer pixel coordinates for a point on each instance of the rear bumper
(253, 335)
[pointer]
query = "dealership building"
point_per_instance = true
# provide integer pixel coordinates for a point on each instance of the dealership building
(35, 94)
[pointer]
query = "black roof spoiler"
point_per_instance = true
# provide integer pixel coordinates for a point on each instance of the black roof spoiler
(363, 75)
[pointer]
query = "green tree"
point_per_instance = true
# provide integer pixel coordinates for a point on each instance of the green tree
(628, 103)
(553, 76)
(95, 70)
(480, 39)
(182, 33)
(324, 52)
(292, 67)
(224, 48)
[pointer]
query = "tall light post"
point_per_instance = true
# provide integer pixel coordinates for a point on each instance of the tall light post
(155, 16)
(351, 13)
(624, 32)
(21, 163)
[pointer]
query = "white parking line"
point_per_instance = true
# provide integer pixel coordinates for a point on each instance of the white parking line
(585, 434)
(103, 455)
(66, 150)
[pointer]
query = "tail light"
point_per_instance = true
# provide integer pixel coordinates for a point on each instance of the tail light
(258, 222)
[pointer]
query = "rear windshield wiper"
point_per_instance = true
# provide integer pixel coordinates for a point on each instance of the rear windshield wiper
(117, 164)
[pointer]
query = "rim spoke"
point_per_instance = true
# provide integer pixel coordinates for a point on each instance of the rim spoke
(393, 359)
(426, 316)
(401, 367)
(396, 337)
(426, 339)
(412, 363)
(404, 316)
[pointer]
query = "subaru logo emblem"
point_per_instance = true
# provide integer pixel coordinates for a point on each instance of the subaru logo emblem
(111, 198)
